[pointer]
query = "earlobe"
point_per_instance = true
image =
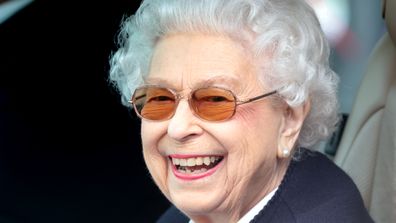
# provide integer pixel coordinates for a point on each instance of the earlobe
(293, 121)
(285, 145)
(283, 152)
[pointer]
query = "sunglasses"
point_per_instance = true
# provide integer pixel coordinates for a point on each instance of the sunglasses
(158, 103)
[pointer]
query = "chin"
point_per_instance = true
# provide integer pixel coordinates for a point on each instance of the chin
(196, 206)
(196, 202)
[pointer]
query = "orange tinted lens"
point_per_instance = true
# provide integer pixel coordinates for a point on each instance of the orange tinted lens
(154, 103)
(213, 104)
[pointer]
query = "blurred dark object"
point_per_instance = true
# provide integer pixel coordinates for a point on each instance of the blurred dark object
(69, 151)
(332, 144)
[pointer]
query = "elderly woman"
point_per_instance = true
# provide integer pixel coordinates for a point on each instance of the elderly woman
(231, 94)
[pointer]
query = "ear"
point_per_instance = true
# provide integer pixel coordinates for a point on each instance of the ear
(292, 122)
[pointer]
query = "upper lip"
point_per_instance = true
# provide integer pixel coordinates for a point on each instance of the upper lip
(186, 156)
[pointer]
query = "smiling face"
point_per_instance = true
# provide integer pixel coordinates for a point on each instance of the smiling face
(213, 170)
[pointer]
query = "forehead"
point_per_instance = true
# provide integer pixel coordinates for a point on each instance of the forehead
(188, 60)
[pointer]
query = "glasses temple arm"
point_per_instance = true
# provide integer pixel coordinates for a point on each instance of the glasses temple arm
(137, 98)
(257, 98)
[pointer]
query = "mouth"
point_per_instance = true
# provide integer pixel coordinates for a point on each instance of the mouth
(191, 168)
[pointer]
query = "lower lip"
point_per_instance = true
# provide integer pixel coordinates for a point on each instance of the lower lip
(189, 177)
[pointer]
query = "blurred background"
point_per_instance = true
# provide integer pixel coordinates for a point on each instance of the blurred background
(69, 151)
(352, 27)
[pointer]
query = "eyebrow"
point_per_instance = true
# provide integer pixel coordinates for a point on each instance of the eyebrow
(218, 80)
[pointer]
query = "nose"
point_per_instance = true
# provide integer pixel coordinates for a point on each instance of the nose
(184, 125)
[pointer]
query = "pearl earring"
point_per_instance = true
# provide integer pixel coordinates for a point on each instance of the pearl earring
(285, 152)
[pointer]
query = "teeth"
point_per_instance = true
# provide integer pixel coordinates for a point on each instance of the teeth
(175, 161)
(198, 161)
(183, 162)
(202, 170)
(207, 160)
(191, 162)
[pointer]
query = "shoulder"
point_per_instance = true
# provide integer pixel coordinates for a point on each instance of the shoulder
(318, 176)
(173, 215)
(316, 190)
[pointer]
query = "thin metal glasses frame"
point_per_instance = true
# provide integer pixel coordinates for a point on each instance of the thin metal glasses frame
(178, 96)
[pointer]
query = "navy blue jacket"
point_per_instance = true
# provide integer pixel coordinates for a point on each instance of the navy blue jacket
(313, 190)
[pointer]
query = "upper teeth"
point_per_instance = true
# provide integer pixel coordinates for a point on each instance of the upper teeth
(195, 161)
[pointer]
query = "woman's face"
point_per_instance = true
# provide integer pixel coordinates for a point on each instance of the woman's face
(246, 145)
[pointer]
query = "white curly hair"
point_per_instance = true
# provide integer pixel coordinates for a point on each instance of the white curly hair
(288, 29)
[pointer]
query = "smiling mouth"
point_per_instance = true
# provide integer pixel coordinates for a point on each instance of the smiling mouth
(195, 165)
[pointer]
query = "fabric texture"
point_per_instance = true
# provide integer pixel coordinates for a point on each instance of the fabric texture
(314, 189)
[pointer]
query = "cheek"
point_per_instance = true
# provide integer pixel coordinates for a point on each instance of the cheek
(250, 139)
(151, 134)
(155, 161)
(255, 139)
(262, 123)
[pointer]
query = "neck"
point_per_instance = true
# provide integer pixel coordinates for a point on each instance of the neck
(246, 202)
